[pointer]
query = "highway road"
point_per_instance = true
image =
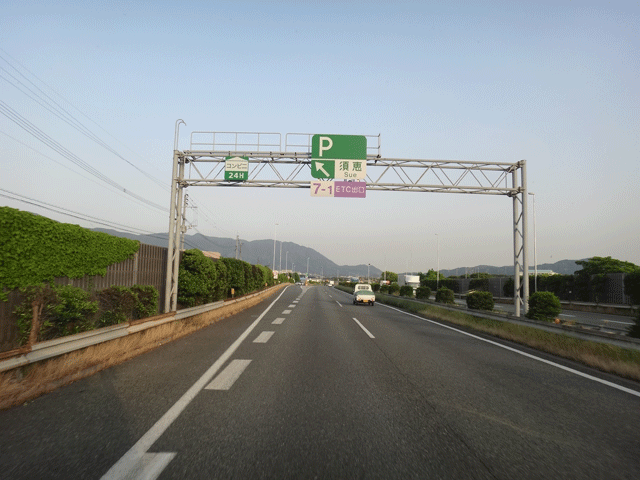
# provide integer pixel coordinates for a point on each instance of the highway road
(307, 385)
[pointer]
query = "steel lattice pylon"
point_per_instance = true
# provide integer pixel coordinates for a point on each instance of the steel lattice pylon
(272, 166)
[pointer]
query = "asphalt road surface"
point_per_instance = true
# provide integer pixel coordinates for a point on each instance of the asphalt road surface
(307, 385)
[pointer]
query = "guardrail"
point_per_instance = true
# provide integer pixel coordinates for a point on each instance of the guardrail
(60, 346)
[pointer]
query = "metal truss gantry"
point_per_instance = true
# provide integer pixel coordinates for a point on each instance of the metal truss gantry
(271, 166)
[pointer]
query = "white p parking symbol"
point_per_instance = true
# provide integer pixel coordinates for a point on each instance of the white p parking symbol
(322, 143)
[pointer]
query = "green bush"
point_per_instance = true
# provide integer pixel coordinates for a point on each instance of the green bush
(480, 300)
(147, 297)
(66, 310)
(423, 293)
(543, 306)
(406, 291)
(384, 288)
(444, 295)
(198, 279)
(117, 305)
(394, 288)
(375, 287)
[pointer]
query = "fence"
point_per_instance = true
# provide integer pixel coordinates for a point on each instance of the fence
(147, 267)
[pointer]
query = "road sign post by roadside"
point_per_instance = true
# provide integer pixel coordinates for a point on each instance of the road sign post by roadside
(339, 156)
(236, 169)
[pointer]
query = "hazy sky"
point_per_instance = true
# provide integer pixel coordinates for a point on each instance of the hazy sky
(556, 83)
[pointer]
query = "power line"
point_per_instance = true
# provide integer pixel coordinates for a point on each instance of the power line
(28, 127)
(70, 213)
(51, 105)
(56, 109)
(92, 180)
(80, 216)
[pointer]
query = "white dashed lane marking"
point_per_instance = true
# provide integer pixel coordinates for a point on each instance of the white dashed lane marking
(286, 312)
(227, 377)
(363, 328)
(278, 321)
(263, 337)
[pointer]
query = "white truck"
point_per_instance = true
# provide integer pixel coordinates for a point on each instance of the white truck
(408, 279)
(363, 293)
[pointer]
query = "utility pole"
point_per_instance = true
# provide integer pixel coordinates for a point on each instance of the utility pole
(535, 248)
(438, 260)
(275, 231)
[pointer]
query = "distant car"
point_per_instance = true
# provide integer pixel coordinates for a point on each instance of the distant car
(363, 293)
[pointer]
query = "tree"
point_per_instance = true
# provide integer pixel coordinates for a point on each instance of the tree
(390, 276)
(430, 275)
(591, 279)
(603, 265)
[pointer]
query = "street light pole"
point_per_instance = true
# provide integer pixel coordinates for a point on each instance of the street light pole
(535, 261)
(286, 261)
(308, 268)
(280, 267)
(368, 278)
(275, 231)
(438, 260)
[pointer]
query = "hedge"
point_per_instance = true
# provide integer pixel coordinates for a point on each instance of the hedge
(480, 300)
(36, 250)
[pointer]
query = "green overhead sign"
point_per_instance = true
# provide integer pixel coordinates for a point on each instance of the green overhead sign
(339, 147)
(339, 156)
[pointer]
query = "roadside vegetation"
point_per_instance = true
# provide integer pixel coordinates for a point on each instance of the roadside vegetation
(40, 253)
(605, 357)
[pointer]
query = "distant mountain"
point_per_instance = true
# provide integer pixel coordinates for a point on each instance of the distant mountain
(260, 252)
(564, 267)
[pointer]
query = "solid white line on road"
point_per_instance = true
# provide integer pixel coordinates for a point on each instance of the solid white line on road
(339, 303)
(615, 321)
(365, 330)
(130, 460)
(286, 312)
(151, 465)
(227, 377)
(548, 362)
(565, 315)
(263, 337)
(278, 321)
